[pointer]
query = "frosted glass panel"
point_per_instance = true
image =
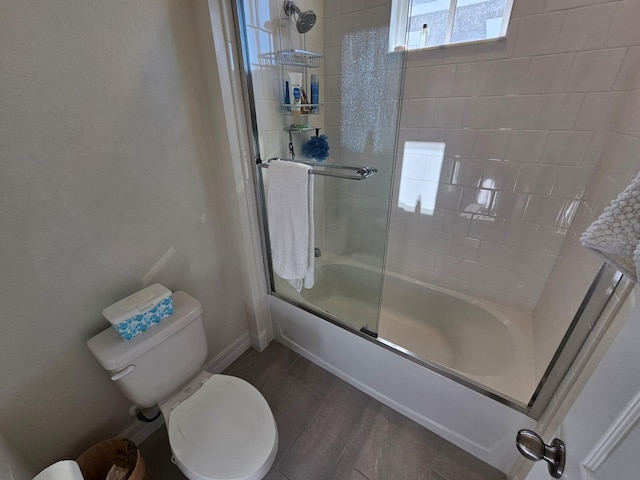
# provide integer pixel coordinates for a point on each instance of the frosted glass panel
(477, 20)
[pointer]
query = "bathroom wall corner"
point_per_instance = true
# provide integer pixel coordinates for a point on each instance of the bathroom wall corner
(221, 64)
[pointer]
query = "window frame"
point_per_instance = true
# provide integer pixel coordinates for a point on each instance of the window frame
(400, 19)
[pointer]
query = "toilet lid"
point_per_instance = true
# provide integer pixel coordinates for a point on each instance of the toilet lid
(225, 430)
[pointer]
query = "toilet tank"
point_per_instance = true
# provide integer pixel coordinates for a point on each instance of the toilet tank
(156, 363)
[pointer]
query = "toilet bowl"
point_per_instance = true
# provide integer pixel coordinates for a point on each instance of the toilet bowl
(223, 429)
(220, 427)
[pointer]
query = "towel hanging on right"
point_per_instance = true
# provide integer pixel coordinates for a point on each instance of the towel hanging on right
(615, 235)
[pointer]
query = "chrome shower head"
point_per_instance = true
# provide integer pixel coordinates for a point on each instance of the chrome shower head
(306, 20)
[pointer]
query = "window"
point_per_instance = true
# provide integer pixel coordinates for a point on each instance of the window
(447, 22)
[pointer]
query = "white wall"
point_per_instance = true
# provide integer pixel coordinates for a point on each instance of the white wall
(107, 162)
(12, 465)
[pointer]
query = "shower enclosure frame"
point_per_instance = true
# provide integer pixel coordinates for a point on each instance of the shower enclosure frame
(587, 318)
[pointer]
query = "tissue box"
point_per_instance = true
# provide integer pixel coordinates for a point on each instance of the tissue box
(140, 311)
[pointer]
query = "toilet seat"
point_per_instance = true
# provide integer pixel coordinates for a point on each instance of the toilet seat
(224, 431)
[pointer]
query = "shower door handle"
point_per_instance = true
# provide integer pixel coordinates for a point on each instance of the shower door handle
(531, 446)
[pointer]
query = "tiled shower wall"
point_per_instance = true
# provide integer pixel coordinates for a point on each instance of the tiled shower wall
(619, 163)
(524, 122)
(267, 33)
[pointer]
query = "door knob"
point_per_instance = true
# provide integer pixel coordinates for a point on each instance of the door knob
(531, 446)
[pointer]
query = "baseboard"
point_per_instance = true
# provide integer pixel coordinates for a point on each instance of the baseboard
(138, 431)
(261, 341)
(226, 357)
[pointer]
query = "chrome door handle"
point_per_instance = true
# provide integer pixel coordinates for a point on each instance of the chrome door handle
(531, 446)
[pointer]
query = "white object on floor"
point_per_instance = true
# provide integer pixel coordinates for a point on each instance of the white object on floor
(615, 235)
(290, 218)
(63, 470)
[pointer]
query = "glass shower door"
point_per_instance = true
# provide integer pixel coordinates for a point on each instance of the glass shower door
(359, 100)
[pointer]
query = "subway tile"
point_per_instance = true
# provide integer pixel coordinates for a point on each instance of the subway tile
(472, 272)
(414, 83)
(629, 75)
(624, 29)
(509, 205)
(544, 210)
(569, 211)
(470, 79)
(456, 222)
(517, 112)
(527, 7)
(537, 179)
(448, 112)
(481, 112)
(502, 47)
(439, 81)
(553, 5)
(595, 71)
(449, 197)
(477, 200)
(465, 247)
(459, 143)
(566, 148)
(628, 121)
(467, 172)
(572, 182)
(558, 112)
(523, 260)
(507, 76)
(424, 58)
(598, 111)
(526, 146)
(447, 265)
(490, 144)
(538, 34)
(500, 175)
(459, 53)
(596, 147)
(548, 73)
(623, 152)
(493, 253)
(586, 28)
(418, 112)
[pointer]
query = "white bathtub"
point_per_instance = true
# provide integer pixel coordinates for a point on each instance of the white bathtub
(487, 345)
(474, 422)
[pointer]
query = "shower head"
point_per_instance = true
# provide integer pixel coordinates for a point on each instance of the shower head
(306, 20)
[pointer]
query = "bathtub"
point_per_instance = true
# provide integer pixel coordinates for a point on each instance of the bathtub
(475, 422)
(487, 346)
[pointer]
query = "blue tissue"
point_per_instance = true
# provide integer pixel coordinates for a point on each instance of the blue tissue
(317, 148)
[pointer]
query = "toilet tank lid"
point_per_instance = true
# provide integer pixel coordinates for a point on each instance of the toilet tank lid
(113, 352)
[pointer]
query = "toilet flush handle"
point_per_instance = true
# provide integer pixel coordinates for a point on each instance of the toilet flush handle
(122, 373)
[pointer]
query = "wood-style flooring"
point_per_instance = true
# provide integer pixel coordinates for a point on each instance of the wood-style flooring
(329, 430)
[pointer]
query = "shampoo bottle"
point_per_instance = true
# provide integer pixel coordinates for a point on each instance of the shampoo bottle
(315, 93)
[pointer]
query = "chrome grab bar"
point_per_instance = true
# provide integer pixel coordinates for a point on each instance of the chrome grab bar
(361, 173)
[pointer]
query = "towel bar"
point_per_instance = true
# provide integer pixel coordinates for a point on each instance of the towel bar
(361, 173)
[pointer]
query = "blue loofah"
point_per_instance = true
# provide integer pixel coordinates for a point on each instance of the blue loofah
(317, 148)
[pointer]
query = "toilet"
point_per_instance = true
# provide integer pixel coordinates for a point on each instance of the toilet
(220, 427)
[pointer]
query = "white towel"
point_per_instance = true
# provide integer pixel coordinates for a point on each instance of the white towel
(615, 235)
(290, 218)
